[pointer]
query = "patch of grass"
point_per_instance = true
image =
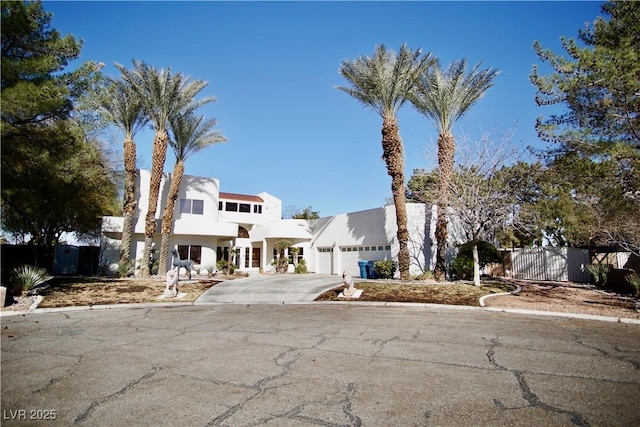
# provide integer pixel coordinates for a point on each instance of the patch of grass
(70, 292)
(453, 294)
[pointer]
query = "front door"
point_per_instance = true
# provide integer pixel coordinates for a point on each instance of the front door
(255, 259)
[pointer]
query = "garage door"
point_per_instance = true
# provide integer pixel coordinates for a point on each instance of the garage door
(325, 260)
(350, 255)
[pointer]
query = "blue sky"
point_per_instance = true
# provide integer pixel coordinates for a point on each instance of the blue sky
(273, 67)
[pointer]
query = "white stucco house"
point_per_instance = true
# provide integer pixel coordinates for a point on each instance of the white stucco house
(210, 225)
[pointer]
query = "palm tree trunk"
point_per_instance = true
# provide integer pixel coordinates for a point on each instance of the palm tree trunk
(129, 205)
(446, 153)
(159, 155)
(393, 155)
(167, 215)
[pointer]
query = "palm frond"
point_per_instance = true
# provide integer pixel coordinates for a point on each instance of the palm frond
(120, 106)
(444, 96)
(190, 134)
(383, 81)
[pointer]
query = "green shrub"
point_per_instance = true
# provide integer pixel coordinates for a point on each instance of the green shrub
(301, 267)
(223, 265)
(599, 273)
(26, 277)
(634, 280)
(462, 268)
(210, 270)
(125, 269)
(384, 269)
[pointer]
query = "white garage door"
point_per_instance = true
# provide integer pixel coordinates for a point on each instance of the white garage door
(325, 260)
(350, 255)
(349, 258)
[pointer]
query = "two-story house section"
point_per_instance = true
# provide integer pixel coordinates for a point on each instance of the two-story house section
(209, 225)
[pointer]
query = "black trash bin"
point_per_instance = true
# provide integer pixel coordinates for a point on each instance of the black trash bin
(371, 272)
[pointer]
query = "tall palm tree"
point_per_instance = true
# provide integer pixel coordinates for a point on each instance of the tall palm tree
(119, 105)
(164, 95)
(444, 97)
(191, 134)
(383, 82)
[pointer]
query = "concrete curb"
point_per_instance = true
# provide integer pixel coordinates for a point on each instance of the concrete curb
(483, 298)
(407, 305)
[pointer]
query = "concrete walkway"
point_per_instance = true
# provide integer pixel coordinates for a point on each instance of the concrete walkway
(275, 289)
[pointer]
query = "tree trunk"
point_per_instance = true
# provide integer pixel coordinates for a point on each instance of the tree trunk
(130, 203)
(393, 155)
(157, 167)
(167, 215)
(446, 153)
(476, 265)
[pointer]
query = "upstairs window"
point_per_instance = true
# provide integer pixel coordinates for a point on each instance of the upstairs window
(257, 209)
(245, 207)
(192, 206)
(231, 207)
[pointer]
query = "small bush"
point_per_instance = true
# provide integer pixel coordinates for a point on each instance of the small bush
(210, 270)
(599, 273)
(634, 280)
(223, 265)
(125, 269)
(301, 268)
(462, 268)
(384, 269)
(27, 277)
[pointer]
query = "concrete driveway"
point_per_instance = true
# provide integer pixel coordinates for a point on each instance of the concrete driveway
(266, 288)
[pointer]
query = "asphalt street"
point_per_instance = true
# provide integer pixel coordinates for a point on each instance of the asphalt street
(316, 365)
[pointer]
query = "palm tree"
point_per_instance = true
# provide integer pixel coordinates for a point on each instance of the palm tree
(119, 105)
(164, 95)
(190, 135)
(383, 82)
(443, 97)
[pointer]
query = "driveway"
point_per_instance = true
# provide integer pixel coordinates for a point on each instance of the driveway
(266, 288)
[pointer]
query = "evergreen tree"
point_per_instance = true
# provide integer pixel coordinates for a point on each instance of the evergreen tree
(55, 178)
(595, 142)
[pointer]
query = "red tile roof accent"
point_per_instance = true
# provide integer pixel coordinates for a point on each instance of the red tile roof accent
(243, 197)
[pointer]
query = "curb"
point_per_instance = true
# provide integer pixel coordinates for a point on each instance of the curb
(350, 303)
(483, 298)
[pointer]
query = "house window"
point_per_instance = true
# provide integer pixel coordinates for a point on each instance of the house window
(191, 252)
(192, 206)
(245, 207)
(298, 257)
(257, 209)
(222, 253)
(219, 206)
(246, 257)
(231, 207)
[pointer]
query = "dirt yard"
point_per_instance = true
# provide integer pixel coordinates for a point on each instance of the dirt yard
(544, 296)
(567, 298)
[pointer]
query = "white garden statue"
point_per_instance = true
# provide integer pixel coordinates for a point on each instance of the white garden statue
(349, 290)
(171, 288)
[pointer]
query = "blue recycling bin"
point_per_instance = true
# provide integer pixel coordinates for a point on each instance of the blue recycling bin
(371, 273)
(363, 268)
